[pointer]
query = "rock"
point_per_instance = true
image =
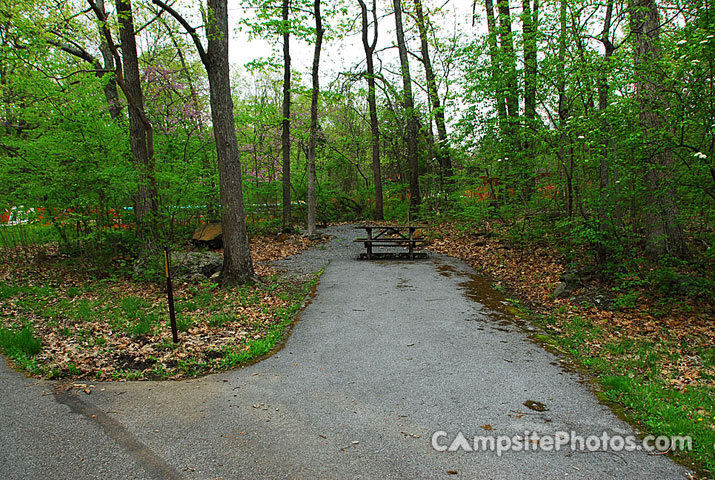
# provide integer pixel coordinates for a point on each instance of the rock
(570, 279)
(587, 273)
(191, 264)
(210, 234)
(562, 290)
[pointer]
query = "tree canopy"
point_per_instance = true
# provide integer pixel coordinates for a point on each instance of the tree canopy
(590, 121)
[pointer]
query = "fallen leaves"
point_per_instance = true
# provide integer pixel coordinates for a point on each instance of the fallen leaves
(530, 273)
(86, 325)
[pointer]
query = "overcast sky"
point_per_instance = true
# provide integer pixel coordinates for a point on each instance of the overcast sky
(342, 54)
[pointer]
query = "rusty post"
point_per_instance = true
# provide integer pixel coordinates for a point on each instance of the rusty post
(170, 296)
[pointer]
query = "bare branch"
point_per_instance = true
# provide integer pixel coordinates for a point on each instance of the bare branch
(187, 26)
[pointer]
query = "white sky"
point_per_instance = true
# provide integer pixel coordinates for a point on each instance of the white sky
(342, 54)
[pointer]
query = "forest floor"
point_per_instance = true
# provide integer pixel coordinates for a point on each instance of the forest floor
(653, 354)
(67, 317)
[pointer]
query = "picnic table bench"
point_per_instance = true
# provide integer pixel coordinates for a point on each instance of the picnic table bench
(390, 236)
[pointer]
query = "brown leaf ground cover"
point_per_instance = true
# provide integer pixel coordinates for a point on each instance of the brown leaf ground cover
(67, 317)
(651, 354)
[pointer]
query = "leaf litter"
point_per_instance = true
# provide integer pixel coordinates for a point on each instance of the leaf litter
(116, 329)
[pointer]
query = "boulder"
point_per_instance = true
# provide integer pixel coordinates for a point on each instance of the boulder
(210, 234)
(562, 290)
(192, 264)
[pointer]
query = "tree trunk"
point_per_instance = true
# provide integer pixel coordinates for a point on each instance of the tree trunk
(530, 22)
(606, 142)
(663, 232)
(442, 151)
(563, 108)
(237, 263)
(412, 126)
(508, 65)
(110, 88)
(141, 135)
(496, 67)
(369, 48)
(285, 133)
(312, 230)
(509, 75)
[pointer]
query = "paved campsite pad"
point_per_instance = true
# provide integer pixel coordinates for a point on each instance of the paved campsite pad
(387, 353)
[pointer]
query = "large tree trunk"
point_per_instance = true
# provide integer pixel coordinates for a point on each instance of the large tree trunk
(496, 67)
(141, 135)
(530, 22)
(606, 142)
(508, 66)
(563, 108)
(312, 230)
(442, 151)
(110, 88)
(663, 232)
(237, 263)
(409, 103)
(285, 133)
(369, 48)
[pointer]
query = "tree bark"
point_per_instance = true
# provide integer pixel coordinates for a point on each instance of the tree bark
(285, 133)
(237, 263)
(369, 48)
(312, 230)
(442, 150)
(563, 107)
(606, 142)
(110, 89)
(516, 164)
(663, 232)
(530, 22)
(508, 65)
(496, 66)
(412, 125)
(141, 134)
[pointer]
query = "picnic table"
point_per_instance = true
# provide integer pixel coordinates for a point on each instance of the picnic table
(390, 236)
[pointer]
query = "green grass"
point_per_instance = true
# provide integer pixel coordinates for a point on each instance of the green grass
(218, 320)
(255, 348)
(630, 372)
(27, 235)
(21, 345)
(74, 312)
(21, 341)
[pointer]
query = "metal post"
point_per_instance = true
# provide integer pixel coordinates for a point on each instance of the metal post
(170, 296)
(412, 243)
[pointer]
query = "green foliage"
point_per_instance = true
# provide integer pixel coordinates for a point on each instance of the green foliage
(220, 319)
(19, 343)
(627, 301)
(631, 374)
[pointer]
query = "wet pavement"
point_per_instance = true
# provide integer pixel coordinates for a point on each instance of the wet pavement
(386, 354)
